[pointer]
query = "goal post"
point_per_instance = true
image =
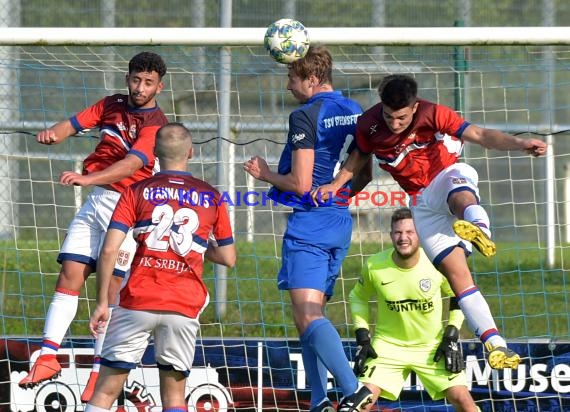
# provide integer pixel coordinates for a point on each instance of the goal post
(247, 36)
(233, 97)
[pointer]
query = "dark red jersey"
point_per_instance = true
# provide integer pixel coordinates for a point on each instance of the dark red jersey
(124, 130)
(414, 157)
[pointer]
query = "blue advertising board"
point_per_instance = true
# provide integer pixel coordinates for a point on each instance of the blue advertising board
(268, 375)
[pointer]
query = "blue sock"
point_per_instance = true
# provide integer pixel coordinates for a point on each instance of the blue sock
(316, 373)
(325, 341)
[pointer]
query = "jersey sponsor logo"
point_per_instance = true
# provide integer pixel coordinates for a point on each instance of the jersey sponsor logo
(387, 283)
(167, 264)
(372, 129)
(297, 137)
(410, 305)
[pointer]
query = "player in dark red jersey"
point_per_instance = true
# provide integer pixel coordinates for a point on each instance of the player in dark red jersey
(127, 124)
(419, 143)
(177, 221)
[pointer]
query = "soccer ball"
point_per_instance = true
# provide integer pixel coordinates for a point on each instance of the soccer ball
(286, 40)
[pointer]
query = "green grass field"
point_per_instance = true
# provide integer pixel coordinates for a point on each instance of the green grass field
(527, 299)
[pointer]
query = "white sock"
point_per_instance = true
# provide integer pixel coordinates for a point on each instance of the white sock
(477, 215)
(497, 340)
(477, 312)
(61, 313)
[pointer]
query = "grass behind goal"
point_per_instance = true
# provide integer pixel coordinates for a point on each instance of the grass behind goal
(527, 300)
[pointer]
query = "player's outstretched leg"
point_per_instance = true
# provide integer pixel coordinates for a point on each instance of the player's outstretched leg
(60, 314)
(501, 357)
(475, 234)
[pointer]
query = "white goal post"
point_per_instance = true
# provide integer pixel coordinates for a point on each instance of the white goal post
(233, 36)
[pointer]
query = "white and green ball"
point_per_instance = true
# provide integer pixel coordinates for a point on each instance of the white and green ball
(286, 40)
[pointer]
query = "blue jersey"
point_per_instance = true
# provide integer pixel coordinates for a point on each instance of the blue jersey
(326, 123)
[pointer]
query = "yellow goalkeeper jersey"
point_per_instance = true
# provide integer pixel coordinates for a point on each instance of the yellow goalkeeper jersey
(409, 301)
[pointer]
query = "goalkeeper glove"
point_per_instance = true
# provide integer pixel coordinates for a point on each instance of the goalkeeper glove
(364, 351)
(451, 349)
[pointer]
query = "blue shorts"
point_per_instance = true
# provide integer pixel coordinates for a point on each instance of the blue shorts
(314, 245)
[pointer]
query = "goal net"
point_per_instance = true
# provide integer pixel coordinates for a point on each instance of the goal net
(235, 102)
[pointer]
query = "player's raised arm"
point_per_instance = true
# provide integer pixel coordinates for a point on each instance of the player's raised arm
(114, 173)
(298, 180)
(56, 133)
(495, 139)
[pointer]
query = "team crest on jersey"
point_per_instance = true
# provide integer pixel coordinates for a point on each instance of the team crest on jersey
(412, 136)
(425, 285)
(133, 132)
(123, 257)
(398, 149)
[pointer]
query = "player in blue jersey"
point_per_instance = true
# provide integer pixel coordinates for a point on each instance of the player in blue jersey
(409, 335)
(317, 236)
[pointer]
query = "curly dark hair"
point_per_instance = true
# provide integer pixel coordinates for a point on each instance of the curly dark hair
(147, 62)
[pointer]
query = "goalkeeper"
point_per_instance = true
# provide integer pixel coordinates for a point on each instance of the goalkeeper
(408, 335)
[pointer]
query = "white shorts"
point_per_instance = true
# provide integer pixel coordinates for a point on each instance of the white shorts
(86, 232)
(129, 332)
(432, 217)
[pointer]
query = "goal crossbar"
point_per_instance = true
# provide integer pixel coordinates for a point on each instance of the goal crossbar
(253, 36)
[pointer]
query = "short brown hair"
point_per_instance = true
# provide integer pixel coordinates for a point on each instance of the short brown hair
(400, 214)
(173, 142)
(317, 62)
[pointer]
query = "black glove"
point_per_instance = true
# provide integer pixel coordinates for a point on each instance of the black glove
(364, 351)
(451, 349)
